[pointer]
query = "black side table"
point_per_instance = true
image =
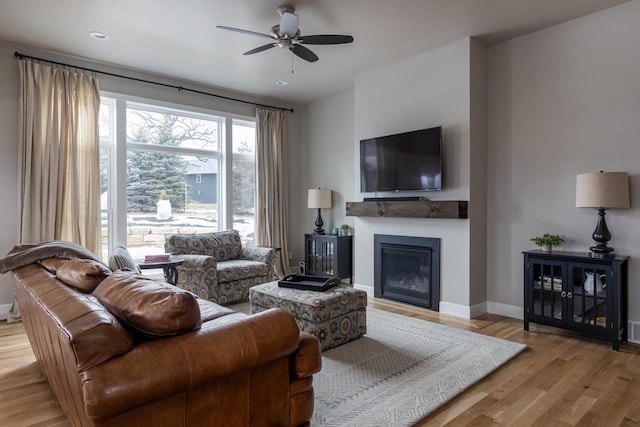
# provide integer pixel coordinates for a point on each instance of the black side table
(169, 268)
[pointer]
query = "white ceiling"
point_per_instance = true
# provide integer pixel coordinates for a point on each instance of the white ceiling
(180, 38)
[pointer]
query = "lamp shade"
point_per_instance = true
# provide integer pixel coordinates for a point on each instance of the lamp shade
(319, 198)
(602, 190)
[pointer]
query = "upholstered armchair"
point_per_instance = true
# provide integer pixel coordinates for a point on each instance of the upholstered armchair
(216, 266)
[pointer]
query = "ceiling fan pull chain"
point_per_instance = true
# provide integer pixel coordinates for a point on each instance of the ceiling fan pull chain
(291, 62)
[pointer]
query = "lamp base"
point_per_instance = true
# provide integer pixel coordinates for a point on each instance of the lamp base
(601, 235)
(319, 223)
(601, 248)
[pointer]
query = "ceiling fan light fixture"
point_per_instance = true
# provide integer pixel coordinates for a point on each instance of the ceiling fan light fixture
(289, 24)
(286, 35)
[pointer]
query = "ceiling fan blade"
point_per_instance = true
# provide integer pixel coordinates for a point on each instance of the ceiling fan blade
(289, 24)
(260, 49)
(325, 39)
(238, 30)
(304, 53)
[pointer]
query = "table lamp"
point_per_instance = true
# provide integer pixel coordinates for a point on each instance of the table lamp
(602, 190)
(319, 198)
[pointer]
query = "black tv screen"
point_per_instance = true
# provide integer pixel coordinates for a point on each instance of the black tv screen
(402, 162)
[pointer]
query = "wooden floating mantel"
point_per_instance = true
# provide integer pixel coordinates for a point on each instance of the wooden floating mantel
(410, 209)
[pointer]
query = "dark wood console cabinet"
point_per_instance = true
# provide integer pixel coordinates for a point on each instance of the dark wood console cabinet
(328, 256)
(578, 292)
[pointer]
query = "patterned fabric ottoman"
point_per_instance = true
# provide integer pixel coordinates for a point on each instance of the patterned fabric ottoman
(335, 316)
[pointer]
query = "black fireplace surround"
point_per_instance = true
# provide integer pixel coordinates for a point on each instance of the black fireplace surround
(407, 269)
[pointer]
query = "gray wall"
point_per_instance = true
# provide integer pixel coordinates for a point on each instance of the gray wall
(562, 101)
(556, 103)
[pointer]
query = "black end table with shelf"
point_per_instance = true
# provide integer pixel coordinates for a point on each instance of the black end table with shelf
(555, 293)
(328, 256)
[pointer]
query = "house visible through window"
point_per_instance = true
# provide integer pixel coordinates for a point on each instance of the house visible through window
(168, 174)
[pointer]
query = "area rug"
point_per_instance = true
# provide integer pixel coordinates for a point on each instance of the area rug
(401, 370)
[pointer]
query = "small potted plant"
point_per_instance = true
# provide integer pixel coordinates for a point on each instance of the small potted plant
(344, 230)
(547, 241)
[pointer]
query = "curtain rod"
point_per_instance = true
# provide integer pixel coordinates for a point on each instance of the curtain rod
(179, 88)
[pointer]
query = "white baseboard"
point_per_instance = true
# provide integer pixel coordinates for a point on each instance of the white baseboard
(367, 289)
(478, 309)
(633, 331)
(455, 309)
(515, 311)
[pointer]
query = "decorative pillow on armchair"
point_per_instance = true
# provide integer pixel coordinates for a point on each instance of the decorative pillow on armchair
(121, 259)
(229, 245)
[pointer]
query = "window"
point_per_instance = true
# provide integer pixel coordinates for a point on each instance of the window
(244, 176)
(166, 167)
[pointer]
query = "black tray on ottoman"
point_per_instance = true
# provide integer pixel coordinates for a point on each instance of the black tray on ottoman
(308, 283)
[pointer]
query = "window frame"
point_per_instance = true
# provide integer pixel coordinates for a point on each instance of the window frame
(118, 147)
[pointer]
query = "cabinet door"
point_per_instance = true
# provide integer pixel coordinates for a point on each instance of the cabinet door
(319, 255)
(547, 291)
(589, 294)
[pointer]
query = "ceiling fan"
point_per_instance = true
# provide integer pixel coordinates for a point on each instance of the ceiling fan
(287, 36)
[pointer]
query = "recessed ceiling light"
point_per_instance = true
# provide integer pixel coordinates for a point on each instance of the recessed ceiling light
(98, 35)
(282, 82)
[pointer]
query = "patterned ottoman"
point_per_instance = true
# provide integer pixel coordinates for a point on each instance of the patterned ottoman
(335, 316)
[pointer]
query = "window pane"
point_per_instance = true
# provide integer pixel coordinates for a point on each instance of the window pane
(244, 137)
(106, 130)
(244, 178)
(105, 165)
(244, 200)
(163, 198)
(146, 125)
(105, 120)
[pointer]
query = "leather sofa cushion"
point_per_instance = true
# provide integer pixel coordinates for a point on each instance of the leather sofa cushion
(151, 308)
(82, 274)
(52, 264)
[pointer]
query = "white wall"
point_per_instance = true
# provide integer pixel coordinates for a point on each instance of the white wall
(9, 87)
(562, 101)
(329, 157)
(431, 89)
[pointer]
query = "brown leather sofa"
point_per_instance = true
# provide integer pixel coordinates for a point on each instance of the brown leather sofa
(222, 369)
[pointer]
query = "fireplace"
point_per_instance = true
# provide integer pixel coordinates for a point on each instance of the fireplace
(407, 269)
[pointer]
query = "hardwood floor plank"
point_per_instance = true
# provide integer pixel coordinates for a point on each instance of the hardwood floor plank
(561, 379)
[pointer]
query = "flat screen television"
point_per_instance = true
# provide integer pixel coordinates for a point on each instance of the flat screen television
(402, 162)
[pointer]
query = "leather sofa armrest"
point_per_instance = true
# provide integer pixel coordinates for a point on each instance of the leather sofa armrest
(307, 360)
(160, 368)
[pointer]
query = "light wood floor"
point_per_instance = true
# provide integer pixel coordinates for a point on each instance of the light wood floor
(560, 380)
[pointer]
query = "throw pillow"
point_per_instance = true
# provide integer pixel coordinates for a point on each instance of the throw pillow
(52, 264)
(228, 245)
(82, 274)
(121, 259)
(154, 309)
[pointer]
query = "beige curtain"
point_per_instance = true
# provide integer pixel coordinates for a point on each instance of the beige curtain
(272, 203)
(58, 155)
